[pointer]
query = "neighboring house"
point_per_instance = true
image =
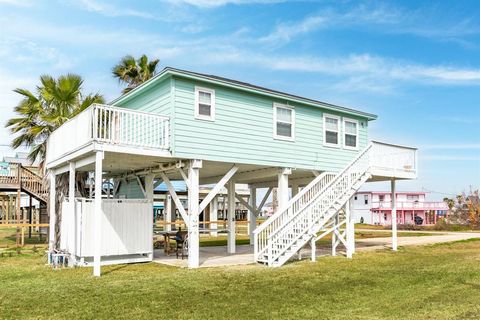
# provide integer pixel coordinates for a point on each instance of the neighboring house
(209, 130)
(23, 193)
(22, 159)
(376, 208)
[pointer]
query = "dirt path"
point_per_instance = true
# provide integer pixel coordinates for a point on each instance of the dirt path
(381, 243)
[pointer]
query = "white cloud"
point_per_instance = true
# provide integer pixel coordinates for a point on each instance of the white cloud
(27, 52)
(283, 33)
(9, 99)
(456, 146)
(450, 158)
(380, 17)
(368, 67)
(110, 10)
(472, 119)
(17, 3)
(219, 3)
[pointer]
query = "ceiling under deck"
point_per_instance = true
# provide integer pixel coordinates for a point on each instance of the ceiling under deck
(211, 171)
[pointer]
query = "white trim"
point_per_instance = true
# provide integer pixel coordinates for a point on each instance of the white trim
(197, 105)
(217, 188)
(345, 132)
(325, 143)
(292, 123)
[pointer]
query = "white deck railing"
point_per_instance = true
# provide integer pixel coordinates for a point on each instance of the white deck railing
(110, 125)
(393, 160)
(439, 205)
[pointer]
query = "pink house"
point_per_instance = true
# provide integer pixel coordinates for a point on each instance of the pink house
(412, 208)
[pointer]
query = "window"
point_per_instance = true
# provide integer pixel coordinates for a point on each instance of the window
(412, 197)
(204, 104)
(366, 199)
(381, 198)
(355, 197)
(283, 122)
(350, 128)
(331, 130)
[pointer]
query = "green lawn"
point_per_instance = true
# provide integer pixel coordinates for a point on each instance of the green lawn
(435, 282)
(8, 238)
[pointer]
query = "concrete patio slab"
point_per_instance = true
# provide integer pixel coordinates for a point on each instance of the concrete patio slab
(218, 256)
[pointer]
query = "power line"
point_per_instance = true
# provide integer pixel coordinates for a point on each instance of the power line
(438, 192)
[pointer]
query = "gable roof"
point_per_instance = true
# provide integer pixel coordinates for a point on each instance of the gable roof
(245, 86)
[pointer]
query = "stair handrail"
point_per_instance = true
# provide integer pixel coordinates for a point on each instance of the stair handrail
(313, 218)
(33, 178)
(329, 191)
(332, 182)
(282, 214)
(292, 201)
(287, 205)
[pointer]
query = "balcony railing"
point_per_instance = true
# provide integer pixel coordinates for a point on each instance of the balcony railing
(111, 125)
(391, 160)
(435, 205)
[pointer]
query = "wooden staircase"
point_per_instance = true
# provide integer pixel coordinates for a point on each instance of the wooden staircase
(15, 177)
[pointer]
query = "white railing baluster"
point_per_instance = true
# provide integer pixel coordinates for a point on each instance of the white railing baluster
(130, 128)
(305, 211)
(108, 124)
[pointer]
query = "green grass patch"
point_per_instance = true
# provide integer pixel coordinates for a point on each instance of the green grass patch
(433, 282)
(8, 238)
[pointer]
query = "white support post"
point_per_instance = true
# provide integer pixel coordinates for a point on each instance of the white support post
(231, 216)
(351, 223)
(282, 192)
(167, 213)
(193, 210)
(252, 215)
(71, 203)
(51, 207)
(214, 216)
(314, 249)
(334, 235)
(97, 221)
(348, 231)
(394, 216)
(149, 187)
(216, 189)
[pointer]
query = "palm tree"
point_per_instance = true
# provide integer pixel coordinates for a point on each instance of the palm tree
(134, 72)
(40, 113)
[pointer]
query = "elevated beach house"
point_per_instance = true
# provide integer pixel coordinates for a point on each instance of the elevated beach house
(411, 208)
(209, 130)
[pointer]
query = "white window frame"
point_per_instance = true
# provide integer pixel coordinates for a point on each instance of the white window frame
(339, 132)
(345, 133)
(283, 106)
(197, 104)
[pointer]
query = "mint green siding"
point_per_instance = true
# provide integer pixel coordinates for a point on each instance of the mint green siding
(243, 128)
(130, 190)
(243, 131)
(155, 99)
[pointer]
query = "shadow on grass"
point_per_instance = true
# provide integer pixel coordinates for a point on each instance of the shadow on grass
(114, 268)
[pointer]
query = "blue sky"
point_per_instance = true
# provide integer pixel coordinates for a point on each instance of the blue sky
(416, 65)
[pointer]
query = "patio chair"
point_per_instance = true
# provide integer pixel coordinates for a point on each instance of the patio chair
(182, 244)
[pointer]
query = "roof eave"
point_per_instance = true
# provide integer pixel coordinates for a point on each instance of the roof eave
(190, 75)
